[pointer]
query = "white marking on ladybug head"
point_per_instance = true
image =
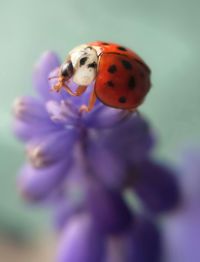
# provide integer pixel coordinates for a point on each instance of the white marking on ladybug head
(85, 62)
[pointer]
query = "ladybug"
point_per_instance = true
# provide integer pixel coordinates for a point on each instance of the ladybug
(122, 79)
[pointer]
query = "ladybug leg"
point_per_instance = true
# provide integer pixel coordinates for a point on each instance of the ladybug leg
(68, 90)
(91, 104)
(58, 86)
(61, 84)
(80, 90)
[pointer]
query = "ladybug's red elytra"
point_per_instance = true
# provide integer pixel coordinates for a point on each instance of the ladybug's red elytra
(122, 79)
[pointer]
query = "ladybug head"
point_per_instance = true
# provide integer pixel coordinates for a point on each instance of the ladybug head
(81, 64)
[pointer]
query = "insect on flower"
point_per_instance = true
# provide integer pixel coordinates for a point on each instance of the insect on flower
(122, 79)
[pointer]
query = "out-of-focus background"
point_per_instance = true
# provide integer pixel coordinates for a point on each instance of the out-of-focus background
(164, 33)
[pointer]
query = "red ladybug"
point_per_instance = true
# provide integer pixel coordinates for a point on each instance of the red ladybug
(122, 79)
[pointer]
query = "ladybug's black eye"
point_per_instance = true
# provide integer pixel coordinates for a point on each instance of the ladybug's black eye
(67, 69)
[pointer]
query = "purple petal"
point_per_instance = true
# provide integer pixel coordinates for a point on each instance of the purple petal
(117, 249)
(63, 112)
(31, 119)
(25, 108)
(110, 152)
(131, 140)
(107, 166)
(182, 236)
(145, 242)
(141, 244)
(157, 186)
(70, 198)
(64, 210)
(182, 228)
(47, 62)
(36, 184)
(81, 242)
(26, 131)
(108, 209)
(104, 117)
(48, 149)
(190, 176)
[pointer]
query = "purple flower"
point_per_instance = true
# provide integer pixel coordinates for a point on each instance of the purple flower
(82, 163)
(142, 243)
(53, 128)
(182, 228)
(112, 215)
(81, 241)
(157, 186)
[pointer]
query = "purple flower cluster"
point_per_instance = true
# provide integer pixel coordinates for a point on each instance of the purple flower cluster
(89, 166)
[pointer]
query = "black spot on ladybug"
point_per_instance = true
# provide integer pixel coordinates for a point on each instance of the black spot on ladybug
(104, 43)
(83, 60)
(110, 83)
(122, 48)
(127, 65)
(92, 65)
(112, 69)
(122, 99)
(131, 83)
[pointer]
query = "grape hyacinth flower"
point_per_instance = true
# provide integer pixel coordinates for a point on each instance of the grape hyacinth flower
(182, 229)
(83, 164)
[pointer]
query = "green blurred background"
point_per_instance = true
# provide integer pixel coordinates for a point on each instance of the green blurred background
(165, 33)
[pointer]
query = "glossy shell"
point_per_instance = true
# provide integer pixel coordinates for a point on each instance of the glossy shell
(123, 78)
